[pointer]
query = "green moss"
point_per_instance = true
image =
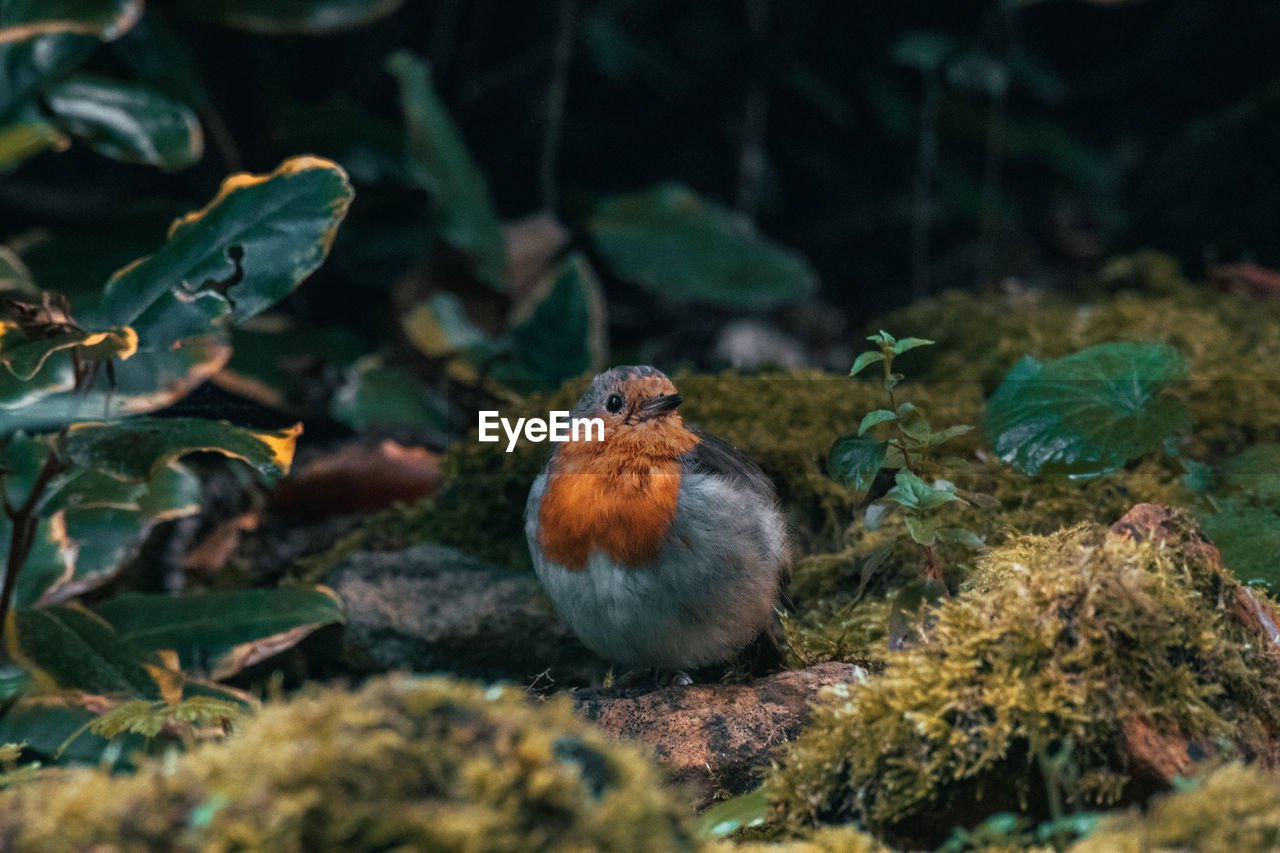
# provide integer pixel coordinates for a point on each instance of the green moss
(841, 839)
(1232, 342)
(1235, 809)
(1057, 641)
(423, 764)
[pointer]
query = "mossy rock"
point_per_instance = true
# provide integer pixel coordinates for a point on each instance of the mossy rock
(421, 764)
(1057, 641)
(1234, 809)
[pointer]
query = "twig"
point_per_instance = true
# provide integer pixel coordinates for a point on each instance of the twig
(557, 95)
(25, 522)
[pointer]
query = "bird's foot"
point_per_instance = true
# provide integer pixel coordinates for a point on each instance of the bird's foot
(653, 678)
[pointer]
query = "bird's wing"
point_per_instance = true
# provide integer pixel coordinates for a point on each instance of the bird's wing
(713, 455)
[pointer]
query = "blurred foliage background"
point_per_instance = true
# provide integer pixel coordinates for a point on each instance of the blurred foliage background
(895, 150)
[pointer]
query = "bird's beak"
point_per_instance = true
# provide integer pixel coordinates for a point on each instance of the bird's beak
(655, 406)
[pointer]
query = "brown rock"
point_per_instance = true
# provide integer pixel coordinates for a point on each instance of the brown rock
(1157, 757)
(716, 736)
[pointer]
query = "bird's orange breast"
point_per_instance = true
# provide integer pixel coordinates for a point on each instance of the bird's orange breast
(618, 497)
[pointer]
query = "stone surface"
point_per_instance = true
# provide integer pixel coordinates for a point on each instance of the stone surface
(715, 736)
(431, 608)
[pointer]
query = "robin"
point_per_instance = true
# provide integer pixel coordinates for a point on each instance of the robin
(661, 546)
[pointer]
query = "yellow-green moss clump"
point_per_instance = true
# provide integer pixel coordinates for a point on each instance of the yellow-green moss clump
(1058, 640)
(1235, 809)
(840, 839)
(403, 764)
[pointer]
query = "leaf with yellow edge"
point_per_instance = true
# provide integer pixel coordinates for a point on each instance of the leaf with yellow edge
(226, 630)
(140, 448)
(106, 19)
(25, 358)
(256, 241)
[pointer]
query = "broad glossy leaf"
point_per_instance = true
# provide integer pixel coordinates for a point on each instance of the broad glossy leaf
(104, 19)
(1249, 539)
(670, 241)
(127, 122)
(291, 17)
(377, 394)
(563, 335)
(854, 461)
(155, 377)
(72, 649)
(24, 357)
(25, 66)
(140, 448)
(222, 631)
(93, 525)
(259, 238)
(1087, 413)
(440, 162)
(917, 495)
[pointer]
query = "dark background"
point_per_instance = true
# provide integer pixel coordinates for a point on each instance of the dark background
(1121, 126)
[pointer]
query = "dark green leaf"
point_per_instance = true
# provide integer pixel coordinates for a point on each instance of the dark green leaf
(866, 359)
(70, 648)
(376, 394)
(292, 17)
(740, 812)
(899, 347)
(127, 122)
(140, 448)
(25, 357)
(563, 335)
(854, 462)
(1249, 539)
(879, 416)
(915, 494)
(103, 19)
(26, 65)
(279, 226)
(670, 241)
(441, 163)
(93, 525)
(44, 723)
(155, 377)
(221, 631)
(1087, 413)
(1255, 472)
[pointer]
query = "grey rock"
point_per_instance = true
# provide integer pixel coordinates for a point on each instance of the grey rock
(430, 609)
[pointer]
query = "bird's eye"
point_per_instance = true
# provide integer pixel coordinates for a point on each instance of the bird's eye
(614, 403)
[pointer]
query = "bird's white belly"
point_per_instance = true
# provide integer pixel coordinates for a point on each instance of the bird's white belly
(711, 591)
